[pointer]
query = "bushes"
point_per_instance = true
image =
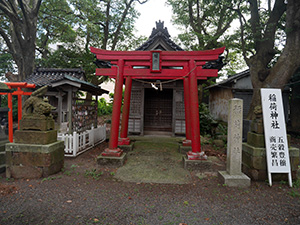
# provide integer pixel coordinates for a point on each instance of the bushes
(207, 124)
(104, 108)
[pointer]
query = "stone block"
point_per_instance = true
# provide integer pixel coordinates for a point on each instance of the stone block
(2, 155)
(127, 148)
(256, 140)
(35, 137)
(34, 161)
(37, 124)
(254, 162)
(238, 180)
(202, 165)
(257, 127)
(109, 160)
(184, 149)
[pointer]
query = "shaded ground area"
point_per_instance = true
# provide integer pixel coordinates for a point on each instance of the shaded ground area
(154, 160)
(86, 193)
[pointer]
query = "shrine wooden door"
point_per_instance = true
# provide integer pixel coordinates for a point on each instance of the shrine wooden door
(158, 110)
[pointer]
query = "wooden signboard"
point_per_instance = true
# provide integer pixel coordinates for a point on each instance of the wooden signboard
(277, 150)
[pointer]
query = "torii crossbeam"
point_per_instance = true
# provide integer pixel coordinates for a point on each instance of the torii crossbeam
(168, 65)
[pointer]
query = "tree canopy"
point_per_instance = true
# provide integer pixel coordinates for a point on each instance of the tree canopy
(58, 33)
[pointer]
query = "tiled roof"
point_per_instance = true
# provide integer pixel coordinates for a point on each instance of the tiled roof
(46, 76)
(159, 32)
(50, 76)
(231, 79)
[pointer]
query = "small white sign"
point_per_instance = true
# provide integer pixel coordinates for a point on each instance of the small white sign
(277, 151)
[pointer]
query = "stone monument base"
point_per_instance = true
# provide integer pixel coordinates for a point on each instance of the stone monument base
(2, 155)
(184, 149)
(240, 180)
(204, 165)
(33, 123)
(34, 161)
(35, 137)
(112, 160)
(254, 163)
(127, 148)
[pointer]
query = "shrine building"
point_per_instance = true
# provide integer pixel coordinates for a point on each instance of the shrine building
(161, 89)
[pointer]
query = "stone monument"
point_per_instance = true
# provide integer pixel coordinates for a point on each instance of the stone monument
(233, 176)
(35, 152)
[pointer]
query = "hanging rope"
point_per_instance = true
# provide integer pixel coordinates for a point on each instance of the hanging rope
(164, 82)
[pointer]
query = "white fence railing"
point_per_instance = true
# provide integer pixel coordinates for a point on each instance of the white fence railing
(78, 143)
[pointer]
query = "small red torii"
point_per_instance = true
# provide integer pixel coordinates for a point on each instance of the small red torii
(19, 92)
(184, 65)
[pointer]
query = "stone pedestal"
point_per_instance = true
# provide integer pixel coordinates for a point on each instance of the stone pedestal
(254, 158)
(35, 137)
(184, 149)
(112, 160)
(126, 148)
(2, 155)
(34, 161)
(36, 152)
(203, 165)
(233, 176)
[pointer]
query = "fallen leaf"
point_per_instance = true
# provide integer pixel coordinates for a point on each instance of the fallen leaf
(96, 220)
(69, 201)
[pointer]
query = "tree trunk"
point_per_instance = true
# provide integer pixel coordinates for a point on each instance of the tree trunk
(287, 63)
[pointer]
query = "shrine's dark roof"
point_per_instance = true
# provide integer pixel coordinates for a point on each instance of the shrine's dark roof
(158, 38)
(53, 76)
(46, 76)
(231, 79)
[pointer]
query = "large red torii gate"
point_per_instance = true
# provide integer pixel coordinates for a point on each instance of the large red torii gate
(185, 65)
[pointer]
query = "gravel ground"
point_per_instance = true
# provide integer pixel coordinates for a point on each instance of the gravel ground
(86, 193)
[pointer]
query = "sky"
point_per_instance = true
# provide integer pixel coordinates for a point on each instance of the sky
(151, 12)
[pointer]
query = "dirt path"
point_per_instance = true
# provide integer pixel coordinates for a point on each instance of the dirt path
(86, 193)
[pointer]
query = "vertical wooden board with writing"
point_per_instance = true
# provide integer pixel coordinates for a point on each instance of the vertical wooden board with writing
(277, 151)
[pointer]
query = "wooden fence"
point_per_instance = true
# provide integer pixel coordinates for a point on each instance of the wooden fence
(78, 143)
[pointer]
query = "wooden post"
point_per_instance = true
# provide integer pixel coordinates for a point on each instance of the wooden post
(187, 106)
(10, 118)
(19, 107)
(113, 149)
(196, 153)
(124, 140)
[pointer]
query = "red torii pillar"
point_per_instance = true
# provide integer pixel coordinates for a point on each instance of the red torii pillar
(113, 149)
(186, 86)
(19, 93)
(124, 140)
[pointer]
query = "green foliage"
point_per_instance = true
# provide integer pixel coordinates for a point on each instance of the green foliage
(93, 173)
(206, 119)
(15, 105)
(205, 24)
(104, 108)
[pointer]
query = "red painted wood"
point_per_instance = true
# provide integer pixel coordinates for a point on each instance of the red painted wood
(102, 52)
(165, 74)
(19, 92)
(126, 108)
(10, 118)
(114, 133)
(194, 113)
(187, 107)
